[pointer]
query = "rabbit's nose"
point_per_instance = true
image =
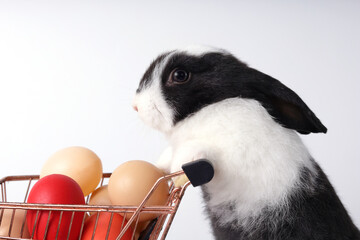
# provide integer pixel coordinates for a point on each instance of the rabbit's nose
(135, 103)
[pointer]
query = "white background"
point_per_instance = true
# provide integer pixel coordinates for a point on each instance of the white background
(69, 70)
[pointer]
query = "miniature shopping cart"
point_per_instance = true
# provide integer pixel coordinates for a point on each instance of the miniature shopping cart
(197, 172)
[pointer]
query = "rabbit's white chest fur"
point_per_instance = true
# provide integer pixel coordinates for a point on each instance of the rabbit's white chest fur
(257, 162)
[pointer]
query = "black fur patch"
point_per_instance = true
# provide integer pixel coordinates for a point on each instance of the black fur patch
(218, 76)
(146, 79)
(310, 214)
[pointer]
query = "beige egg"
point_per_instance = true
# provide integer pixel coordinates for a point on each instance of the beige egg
(100, 197)
(18, 224)
(131, 182)
(79, 163)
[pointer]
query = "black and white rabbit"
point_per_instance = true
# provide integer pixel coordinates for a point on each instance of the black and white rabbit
(266, 184)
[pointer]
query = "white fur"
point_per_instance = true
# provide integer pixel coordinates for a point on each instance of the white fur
(256, 161)
(164, 161)
(199, 50)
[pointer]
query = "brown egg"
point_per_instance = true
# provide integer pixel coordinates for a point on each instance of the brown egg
(140, 226)
(79, 163)
(131, 182)
(18, 223)
(100, 197)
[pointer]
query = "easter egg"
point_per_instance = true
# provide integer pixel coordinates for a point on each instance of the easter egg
(131, 182)
(17, 221)
(103, 229)
(79, 163)
(55, 189)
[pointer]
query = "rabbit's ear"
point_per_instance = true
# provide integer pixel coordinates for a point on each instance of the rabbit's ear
(285, 105)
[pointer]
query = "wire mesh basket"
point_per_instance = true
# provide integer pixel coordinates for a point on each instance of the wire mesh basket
(13, 214)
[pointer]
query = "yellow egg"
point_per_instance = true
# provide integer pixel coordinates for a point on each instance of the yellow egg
(130, 183)
(18, 223)
(79, 163)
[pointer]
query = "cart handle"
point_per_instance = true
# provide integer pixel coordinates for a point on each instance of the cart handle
(199, 172)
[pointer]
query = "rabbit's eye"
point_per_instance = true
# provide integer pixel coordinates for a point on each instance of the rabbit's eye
(179, 76)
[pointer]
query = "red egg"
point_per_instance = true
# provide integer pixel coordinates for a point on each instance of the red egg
(102, 227)
(55, 189)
